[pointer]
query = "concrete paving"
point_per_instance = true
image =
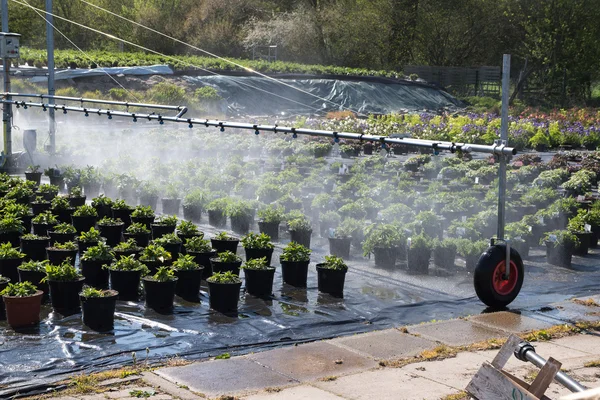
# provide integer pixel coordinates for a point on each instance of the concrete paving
(509, 322)
(456, 332)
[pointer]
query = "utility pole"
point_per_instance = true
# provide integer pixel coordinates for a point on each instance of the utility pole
(7, 108)
(50, 50)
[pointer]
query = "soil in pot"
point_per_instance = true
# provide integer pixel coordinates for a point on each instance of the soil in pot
(159, 230)
(159, 295)
(218, 266)
(98, 313)
(64, 296)
(203, 259)
(385, 257)
(295, 272)
(331, 280)
(56, 237)
(259, 282)
(252, 254)
(418, 261)
(35, 249)
(141, 239)
(127, 283)
(36, 277)
(224, 297)
(217, 218)
(188, 284)
(83, 223)
(94, 273)
(23, 311)
(58, 256)
(42, 229)
(223, 245)
(301, 237)
(559, 255)
(340, 247)
(170, 206)
(112, 233)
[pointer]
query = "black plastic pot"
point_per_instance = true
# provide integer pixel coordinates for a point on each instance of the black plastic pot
(77, 201)
(444, 258)
(39, 208)
(3, 285)
(36, 277)
(223, 245)
(385, 257)
(35, 249)
(203, 259)
(91, 191)
(294, 273)
(331, 280)
(522, 247)
(124, 215)
(259, 282)
(153, 266)
(127, 283)
(301, 237)
(559, 255)
(159, 295)
(418, 261)
(252, 254)
(224, 297)
(35, 177)
(126, 253)
(83, 246)
(184, 238)
(149, 201)
(159, 230)
(188, 284)
(148, 221)
(98, 313)
(241, 225)
(8, 268)
(340, 247)
(56, 237)
(83, 223)
(595, 236)
(64, 216)
(142, 239)
(94, 273)
(192, 213)
(217, 218)
(14, 238)
(64, 296)
(58, 256)
(112, 233)
(103, 211)
(584, 243)
(218, 266)
(174, 249)
(170, 206)
(269, 228)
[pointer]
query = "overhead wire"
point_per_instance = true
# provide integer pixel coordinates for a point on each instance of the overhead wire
(318, 110)
(217, 56)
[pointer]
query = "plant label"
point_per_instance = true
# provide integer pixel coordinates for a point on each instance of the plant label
(408, 242)
(552, 238)
(529, 228)
(341, 170)
(463, 218)
(587, 227)
(421, 179)
(519, 238)
(541, 220)
(461, 231)
(580, 198)
(476, 180)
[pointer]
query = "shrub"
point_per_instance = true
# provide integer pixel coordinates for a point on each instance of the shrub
(64, 272)
(185, 263)
(9, 252)
(257, 263)
(198, 245)
(101, 252)
(257, 241)
(228, 257)
(295, 252)
(333, 262)
(224, 277)
(21, 289)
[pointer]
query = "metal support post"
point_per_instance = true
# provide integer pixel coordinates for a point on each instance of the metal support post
(50, 49)
(503, 142)
(7, 107)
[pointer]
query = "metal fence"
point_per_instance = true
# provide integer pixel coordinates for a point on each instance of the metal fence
(464, 81)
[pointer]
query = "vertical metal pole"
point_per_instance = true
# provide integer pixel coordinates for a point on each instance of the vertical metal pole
(503, 141)
(7, 108)
(50, 51)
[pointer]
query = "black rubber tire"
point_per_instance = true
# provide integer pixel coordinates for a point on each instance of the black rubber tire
(484, 275)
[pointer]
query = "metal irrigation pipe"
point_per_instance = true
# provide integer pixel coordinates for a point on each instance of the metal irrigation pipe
(432, 144)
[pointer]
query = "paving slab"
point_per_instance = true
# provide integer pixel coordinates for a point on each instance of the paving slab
(510, 322)
(221, 377)
(589, 344)
(312, 361)
(456, 332)
(296, 393)
(164, 385)
(384, 384)
(569, 311)
(387, 344)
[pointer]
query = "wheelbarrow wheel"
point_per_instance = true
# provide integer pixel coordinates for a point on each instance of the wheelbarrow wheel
(490, 284)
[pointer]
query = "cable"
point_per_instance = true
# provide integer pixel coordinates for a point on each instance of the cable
(83, 52)
(217, 56)
(160, 54)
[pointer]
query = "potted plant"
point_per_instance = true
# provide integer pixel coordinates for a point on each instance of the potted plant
(127, 248)
(88, 239)
(171, 242)
(121, 210)
(103, 206)
(269, 219)
(300, 231)
(241, 215)
(383, 240)
(444, 253)
(11, 229)
(163, 225)
(189, 275)
(202, 251)
(160, 290)
(224, 242)
(593, 219)
(10, 259)
(155, 256)
(44, 222)
(258, 246)
(111, 229)
(148, 195)
(577, 226)
(63, 210)
(187, 230)
(560, 245)
(39, 205)
(48, 192)
(471, 251)
(331, 276)
(418, 253)
(62, 233)
(339, 242)
(56, 178)
(98, 308)
(76, 197)
(143, 215)
(90, 180)
(3, 284)
(171, 201)
(294, 264)
(35, 272)
(23, 304)
(226, 261)
(216, 213)
(34, 246)
(259, 276)
(193, 203)
(138, 232)
(224, 292)
(22, 193)
(84, 218)
(65, 283)
(93, 263)
(33, 174)
(61, 252)
(519, 234)
(125, 275)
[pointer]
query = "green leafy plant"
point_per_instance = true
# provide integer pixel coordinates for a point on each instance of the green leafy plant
(36, 266)
(169, 238)
(45, 218)
(32, 236)
(60, 203)
(85, 211)
(228, 257)
(155, 252)
(106, 221)
(198, 245)
(333, 262)
(185, 262)
(64, 272)
(167, 220)
(164, 274)
(224, 236)
(257, 263)
(385, 236)
(143, 212)
(76, 191)
(128, 245)
(64, 228)
(10, 224)
(91, 292)
(271, 214)
(33, 168)
(421, 243)
(120, 204)
(70, 246)
(137, 228)
(100, 252)
(102, 201)
(227, 277)
(257, 241)
(9, 252)
(300, 225)
(295, 252)
(91, 236)
(560, 238)
(21, 289)
(187, 228)
(129, 263)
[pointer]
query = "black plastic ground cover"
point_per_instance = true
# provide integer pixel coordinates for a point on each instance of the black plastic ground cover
(374, 299)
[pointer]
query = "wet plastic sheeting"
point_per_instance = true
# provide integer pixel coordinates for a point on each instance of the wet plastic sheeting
(254, 95)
